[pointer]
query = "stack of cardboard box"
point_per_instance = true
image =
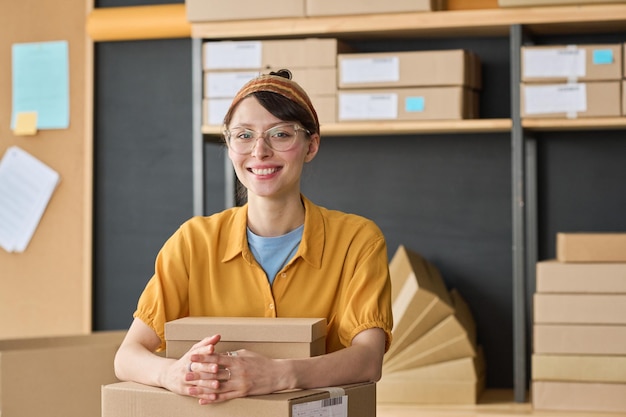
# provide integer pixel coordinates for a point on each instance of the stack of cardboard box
(573, 81)
(228, 65)
(409, 85)
(434, 358)
(273, 337)
(579, 356)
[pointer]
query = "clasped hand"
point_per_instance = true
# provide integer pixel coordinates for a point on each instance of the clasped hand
(216, 377)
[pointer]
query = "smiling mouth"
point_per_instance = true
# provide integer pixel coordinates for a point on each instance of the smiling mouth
(263, 171)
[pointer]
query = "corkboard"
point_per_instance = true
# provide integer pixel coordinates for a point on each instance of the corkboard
(46, 290)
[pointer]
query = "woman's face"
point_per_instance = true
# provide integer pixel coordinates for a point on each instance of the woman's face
(266, 172)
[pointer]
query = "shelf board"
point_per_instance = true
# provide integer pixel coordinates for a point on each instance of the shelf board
(376, 128)
(481, 22)
(599, 123)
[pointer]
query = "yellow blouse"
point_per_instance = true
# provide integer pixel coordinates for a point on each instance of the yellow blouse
(339, 272)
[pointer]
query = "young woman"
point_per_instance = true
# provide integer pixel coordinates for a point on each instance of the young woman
(279, 255)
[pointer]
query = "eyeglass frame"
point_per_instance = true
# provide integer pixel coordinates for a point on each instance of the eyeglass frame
(265, 136)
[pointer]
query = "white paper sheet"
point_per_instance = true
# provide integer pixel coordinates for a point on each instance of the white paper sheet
(568, 63)
(370, 70)
(557, 98)
(361, 106)
(233, 55)
(26, 186)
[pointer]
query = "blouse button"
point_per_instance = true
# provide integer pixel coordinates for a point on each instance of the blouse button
(284, 274)
(271, 306)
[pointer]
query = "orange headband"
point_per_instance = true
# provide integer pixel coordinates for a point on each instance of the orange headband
(279, 85)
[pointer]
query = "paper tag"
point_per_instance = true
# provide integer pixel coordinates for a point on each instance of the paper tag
(357, 106)
(217, 108)
(559, 98)
(602, 56)
(370, 70)
(227, 84)
(233, 55)
(329, 407)
(414, 104)
(568, 63)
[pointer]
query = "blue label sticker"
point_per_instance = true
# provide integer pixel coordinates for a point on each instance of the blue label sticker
(414, 104)
(602, 56)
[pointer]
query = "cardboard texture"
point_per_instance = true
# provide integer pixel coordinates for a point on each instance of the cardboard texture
(624, 97)
(579, 368)
(459, 381)
(580, 308)
(215, 10)
(56, 376)
(274, 337)
(571, 100)
(128, 399)
(426, 103)
(346, 7)
(453, 338)
(455, 67)
(579, 339)
(523, 3)
(578, 396)
(591, 247)
(276, 53)
(560, 277)
(554, 63)
(420, 298)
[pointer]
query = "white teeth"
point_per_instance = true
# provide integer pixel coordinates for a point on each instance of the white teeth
(263, 171)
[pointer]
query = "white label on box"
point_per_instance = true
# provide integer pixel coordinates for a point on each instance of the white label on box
(569, 63)
(359, 106)
(559, 98)
(329, 407)
(217, 109)
(227, 84)
(370, 70)
(232, 54)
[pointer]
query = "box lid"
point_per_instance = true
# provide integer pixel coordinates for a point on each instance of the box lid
(257, 329)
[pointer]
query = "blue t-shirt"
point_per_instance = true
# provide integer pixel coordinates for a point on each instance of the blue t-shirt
(273, 253)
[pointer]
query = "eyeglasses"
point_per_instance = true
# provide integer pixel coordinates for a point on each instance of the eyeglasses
(279, 138)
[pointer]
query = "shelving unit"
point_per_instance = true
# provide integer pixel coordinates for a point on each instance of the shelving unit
(514, 23)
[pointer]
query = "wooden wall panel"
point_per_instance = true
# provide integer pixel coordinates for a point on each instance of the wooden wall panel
(46, 290)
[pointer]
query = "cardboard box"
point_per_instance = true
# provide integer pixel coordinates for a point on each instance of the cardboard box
(571, 100)
(459, 381)
(579, 396)
(56, 376)
(523, 3)
(420, 298)
(453, 338)
(425, 103)
(562, 277)
(570, 339)
(579, 368)
(275, 53)
(571, 63)
(591, 247)
(225, 84)
(580, 308)
(280, 337)
(214, 109)
(456, 67)
(345, 7)
(624, 98)
(128, 399)
(215, 10)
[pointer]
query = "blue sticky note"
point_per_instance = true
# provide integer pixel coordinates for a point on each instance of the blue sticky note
(41, 83)
(414, 104)
(602, 56)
